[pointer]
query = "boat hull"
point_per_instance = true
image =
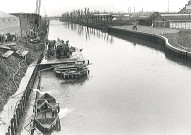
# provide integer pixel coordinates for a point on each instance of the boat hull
(71, 75)
(46, 113)
(44, 128)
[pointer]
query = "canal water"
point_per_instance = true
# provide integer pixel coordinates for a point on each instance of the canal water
(133, 88)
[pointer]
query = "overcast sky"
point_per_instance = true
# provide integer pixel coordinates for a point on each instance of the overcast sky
(57, 7)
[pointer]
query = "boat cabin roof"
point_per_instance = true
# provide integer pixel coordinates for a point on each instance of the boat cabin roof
(46, 96)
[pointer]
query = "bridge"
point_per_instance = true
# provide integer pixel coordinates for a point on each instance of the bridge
(54, 17)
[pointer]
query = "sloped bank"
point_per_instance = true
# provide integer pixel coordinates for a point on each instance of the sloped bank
(13, 68)
(155, 38)
(17, 76)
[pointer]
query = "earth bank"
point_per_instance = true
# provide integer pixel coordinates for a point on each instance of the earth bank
(13, 68)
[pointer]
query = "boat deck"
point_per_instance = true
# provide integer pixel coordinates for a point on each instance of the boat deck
(48, 115)
(54, 61)
(51, 104)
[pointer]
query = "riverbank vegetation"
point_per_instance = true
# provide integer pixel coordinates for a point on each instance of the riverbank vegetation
(96, 19)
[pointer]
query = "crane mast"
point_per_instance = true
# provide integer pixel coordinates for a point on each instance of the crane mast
(38, 5)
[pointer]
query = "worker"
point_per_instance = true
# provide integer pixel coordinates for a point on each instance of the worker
(32, 126)
(67, 42)
(1, 38)
(58, 108)
(44, 108)
(9, 131)
(55, 110)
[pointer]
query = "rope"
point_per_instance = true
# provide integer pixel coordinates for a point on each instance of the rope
(27, 126)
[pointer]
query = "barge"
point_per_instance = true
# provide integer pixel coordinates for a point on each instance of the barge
(46, 113)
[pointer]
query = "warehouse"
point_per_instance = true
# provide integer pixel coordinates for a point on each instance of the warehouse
(9, 24)
(172, 20)
(29, 23)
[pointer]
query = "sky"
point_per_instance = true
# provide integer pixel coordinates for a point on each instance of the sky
(57, 7)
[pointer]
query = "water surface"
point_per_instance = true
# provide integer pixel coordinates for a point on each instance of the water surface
(132, 89)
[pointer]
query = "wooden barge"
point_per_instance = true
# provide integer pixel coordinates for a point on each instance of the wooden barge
(46, 113)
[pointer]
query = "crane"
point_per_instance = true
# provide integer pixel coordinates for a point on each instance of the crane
(38, 5)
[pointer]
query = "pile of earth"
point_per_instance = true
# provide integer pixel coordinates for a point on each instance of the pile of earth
(181, 40)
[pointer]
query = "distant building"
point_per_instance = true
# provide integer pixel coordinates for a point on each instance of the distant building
(29, 23)
(144, 18)
(187, 8)
(172, 20)
(9, 24)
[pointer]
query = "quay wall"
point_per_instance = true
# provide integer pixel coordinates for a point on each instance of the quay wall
(155, 38)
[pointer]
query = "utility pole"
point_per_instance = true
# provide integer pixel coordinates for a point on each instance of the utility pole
(168, 6)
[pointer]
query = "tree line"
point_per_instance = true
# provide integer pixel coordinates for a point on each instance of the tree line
(88, 17)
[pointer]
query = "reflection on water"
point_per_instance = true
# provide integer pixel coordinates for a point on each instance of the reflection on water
(141, 42)
(158, 47)
(88, 32)
(178, 60)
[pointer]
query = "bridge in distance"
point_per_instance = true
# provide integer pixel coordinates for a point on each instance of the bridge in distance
(54, 17)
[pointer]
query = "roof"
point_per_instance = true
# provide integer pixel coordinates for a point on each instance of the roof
(143, 17)
(102, 14)
(175, 17)
(5, 15)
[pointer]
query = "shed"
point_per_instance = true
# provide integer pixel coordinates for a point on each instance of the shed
(172, 20)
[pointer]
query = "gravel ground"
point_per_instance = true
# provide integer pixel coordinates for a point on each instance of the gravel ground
(148, 29)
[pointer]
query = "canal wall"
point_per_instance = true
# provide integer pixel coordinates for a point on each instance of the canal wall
(151, 37)
(21, 104)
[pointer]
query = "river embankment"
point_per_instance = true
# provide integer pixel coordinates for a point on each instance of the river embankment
(175, 40)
